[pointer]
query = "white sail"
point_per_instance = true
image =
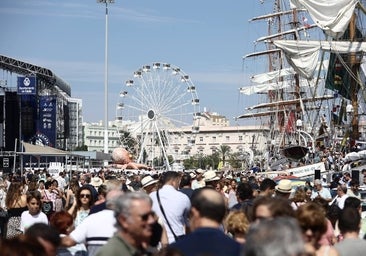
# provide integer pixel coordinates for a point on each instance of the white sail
(263, 88)
(266, 87)
(332, 16)
(303, 55)
(265, 77)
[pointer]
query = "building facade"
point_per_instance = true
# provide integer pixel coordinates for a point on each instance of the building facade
(93, 137)
(37, 107)
(75, 123)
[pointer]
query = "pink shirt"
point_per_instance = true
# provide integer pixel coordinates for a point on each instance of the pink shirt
(327, 237)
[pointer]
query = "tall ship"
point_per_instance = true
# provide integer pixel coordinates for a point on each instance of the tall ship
(312, 88)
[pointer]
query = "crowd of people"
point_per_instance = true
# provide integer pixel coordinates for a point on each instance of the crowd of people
(200, 212)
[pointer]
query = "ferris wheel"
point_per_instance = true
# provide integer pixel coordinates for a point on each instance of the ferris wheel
(156, 107)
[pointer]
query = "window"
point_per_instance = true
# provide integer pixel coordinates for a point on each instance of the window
(240, 138)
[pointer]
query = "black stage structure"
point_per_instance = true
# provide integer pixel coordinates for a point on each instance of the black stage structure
(35, 111)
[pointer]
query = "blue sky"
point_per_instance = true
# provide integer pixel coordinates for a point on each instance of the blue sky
(206, 39)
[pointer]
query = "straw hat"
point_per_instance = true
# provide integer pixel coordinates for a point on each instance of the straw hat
(147, 181)
(96, 181)
(210, 176)
(284, 186)
(199, 170)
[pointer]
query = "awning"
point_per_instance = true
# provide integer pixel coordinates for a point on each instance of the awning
(37, 150)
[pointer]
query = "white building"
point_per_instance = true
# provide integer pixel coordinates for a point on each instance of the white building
(75, 123)
(94, 137)
(185, 141)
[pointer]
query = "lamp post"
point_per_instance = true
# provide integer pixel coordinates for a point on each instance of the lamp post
(350, 111)
(299, 125)
(106, 2)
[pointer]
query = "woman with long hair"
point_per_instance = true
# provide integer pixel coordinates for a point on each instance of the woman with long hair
(63, 222)
(237, 225)
(313, 223)
(82, 204)
(16, 204)
(71, 193)
(299, 198)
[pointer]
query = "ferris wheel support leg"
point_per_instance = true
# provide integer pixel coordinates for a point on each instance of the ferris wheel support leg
(163, 148)
(142, 146)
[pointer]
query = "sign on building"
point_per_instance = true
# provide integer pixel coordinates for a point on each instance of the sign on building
(27, 85)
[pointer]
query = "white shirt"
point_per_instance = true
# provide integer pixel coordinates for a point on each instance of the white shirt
(100, 224)
(27, 220)
(324, 193)
(232, 199)
(95, 230)
(176, 206)
(341, 200)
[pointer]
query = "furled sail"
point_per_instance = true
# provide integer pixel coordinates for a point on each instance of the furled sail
(303, 55)
(266, 87)
(331, 16)
(265, 77)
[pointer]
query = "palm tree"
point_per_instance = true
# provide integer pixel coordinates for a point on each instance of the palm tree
(224, 151)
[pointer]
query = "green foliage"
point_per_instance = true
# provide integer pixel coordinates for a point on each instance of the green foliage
(202, 161)
(81, 148)
(224, 151)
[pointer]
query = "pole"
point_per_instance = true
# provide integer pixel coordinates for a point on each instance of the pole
(106, 82)
(106, 2)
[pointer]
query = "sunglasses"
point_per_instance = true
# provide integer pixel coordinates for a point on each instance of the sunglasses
(84, 195)
(146, 216)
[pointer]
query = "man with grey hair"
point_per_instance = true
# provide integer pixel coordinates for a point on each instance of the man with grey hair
(134, 222)
(320, 191)
(280, 236)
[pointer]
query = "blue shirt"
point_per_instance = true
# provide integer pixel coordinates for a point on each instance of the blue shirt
(207, 241)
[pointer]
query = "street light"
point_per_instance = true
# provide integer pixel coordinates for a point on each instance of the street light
(350, 111)
(106, 2)
(299, 125)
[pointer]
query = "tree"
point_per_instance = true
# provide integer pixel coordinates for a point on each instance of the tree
(224, 152)
(82, 148)
(236, 160)
(129, 142)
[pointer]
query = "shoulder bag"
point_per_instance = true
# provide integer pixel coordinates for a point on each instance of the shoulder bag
(47, 207)
(163, 212)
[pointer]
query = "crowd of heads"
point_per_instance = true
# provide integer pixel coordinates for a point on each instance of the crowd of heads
(267, 217)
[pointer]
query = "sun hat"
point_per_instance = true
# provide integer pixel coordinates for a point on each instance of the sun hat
(147, 181)
(210, 176)
(199, 170)
(96, 181)
(284, 186)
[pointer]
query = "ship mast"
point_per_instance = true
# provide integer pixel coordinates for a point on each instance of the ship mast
(354, 87)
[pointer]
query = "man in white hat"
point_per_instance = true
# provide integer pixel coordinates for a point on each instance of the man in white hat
(96, 182)
(148, 184)
(211, 178)
(198, 182)
(284, 188)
